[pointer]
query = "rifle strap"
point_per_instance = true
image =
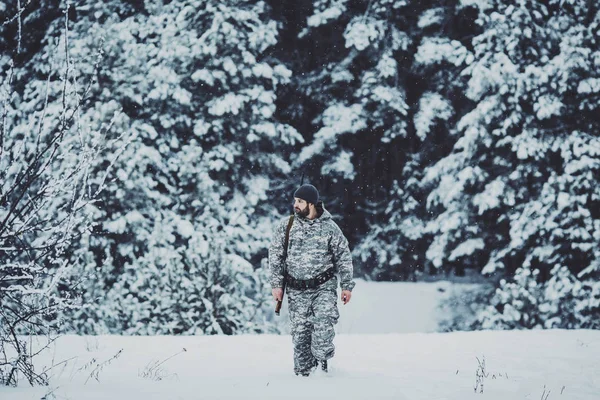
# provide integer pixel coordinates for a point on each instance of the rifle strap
(287, 237)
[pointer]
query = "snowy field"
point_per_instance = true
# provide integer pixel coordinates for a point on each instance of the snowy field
(428, 366)
(390, 307)
(383, 352)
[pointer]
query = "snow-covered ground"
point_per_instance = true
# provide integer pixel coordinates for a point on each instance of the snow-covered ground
(428, 366)
(383, 352)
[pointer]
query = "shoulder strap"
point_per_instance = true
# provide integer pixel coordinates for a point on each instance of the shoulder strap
(287, 236)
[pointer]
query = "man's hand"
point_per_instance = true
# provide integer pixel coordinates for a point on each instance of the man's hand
(346, 295)
(278, 294)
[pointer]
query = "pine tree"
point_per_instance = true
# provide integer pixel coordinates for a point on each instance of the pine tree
(385, 101)
(186, 209)
(520, 184)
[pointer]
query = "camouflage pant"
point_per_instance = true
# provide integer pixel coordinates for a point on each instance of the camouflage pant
(313, 313)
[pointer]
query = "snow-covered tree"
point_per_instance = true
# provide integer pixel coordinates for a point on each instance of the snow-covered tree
(387, 92)
(519, 190)
(394, 250)
(186, 219)
(564, 301)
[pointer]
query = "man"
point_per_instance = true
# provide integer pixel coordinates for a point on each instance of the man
(317, 250)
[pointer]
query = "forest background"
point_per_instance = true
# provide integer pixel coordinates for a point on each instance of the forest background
(148, 148)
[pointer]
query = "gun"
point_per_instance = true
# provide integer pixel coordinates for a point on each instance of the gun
(285, 248)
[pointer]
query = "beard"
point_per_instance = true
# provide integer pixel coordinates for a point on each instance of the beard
(302, 213)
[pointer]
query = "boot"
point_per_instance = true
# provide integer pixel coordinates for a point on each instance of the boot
(310, 370)
(324, 365)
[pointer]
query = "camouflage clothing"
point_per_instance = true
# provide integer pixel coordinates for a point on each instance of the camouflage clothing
(313, 313)
(314, 246)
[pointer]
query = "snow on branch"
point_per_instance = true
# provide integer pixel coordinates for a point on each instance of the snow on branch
(46, 195)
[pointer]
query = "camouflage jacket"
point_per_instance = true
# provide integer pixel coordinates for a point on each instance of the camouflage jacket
(314, 246)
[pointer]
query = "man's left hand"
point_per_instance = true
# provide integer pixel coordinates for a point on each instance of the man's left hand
(346, 294)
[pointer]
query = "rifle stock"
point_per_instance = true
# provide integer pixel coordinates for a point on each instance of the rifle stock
(287, 239)
(278, 307)
(279, 302)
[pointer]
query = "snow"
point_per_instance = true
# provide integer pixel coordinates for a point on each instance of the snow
(433, 50)
(185, 228)
(386, 348)
(387, 66)
(389, 307)
(323, 17)
(432, 106)
(590, 85)
(203, 75)
(547, 106)
(518, 365)
(116, 226)
(263, 70)
(337, 119)
(467, 248)
(229, 66)
(491, 197)
(431, 17)
(341, 164)
(362, 32)
(228, 104)
(481, 4)
(201, 127)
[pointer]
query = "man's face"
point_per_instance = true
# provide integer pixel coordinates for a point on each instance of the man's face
(301, 207)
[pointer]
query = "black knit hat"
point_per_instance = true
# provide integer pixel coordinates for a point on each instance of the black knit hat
(308, 193)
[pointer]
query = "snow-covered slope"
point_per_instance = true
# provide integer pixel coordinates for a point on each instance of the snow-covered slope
(518, 365)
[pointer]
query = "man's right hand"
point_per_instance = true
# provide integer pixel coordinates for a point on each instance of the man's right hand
(278, 294)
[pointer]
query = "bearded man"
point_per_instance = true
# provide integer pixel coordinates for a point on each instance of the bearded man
(317, 251)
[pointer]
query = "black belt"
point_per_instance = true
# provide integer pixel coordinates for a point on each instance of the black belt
(303, 284)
